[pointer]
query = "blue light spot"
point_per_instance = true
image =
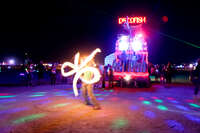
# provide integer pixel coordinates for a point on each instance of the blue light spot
(7, 100)
(174, 101)
(100, 98)
(193, 118)
(45, 102)
(182, 107)
(134, 107)
(149, 114)
(14, 110)
(175, 125)
(37, 98)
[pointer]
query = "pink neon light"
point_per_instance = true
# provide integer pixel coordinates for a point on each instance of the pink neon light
(132, 20)
(132, 74)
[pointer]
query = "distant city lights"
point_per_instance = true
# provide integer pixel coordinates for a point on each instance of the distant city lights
(11, 62)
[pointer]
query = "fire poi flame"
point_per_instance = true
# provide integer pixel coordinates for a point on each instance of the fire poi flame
(78, 70)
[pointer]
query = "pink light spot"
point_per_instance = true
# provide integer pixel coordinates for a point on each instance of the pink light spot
(114, 98)
(189, 100)
(4, 94)
(141, 98)
(170, 98)
(154, 97)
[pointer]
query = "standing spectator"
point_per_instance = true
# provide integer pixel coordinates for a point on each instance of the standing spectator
(104, 77)
(28, 76)
(169, 73)
(110, 77)
(53, 74)
(40, 69)
(162, 74)
(195, 77)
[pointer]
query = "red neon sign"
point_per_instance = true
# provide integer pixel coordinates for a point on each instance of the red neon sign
(132, 20)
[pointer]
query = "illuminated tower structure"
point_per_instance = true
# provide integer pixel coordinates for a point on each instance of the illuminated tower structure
(131, 53)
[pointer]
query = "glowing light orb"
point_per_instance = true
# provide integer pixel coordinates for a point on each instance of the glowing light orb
(11, 62)
(79, 69)
(127, 77)
(123, 43)
(136, 45)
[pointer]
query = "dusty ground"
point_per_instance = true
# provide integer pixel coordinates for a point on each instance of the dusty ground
(47, 109)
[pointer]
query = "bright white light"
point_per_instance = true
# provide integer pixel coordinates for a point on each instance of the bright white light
(127, 77)
(78, 70)
(136, 45)
(123, 43)
(139, 35)
(191, 65)
(11, 62)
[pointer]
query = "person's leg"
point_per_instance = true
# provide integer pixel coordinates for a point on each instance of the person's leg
(92, 97)
(196, 89)
(84, 93)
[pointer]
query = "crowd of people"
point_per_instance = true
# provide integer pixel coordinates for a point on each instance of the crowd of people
(164, 72)
(40, 69)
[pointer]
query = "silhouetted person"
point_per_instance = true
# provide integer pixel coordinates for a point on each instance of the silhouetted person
(110, 77)
(169, 73)
(28, 76)
(40, 69)
(104, 77)
(196, 80)
(53, 74)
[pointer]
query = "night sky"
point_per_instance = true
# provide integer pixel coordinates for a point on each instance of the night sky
(55, 31)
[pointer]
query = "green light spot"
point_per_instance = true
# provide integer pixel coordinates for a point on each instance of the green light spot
(161, 107)
(111, 90)
(119, 123)
(194, 105)
(37, 95)
(29, 118)
(97, 94)
(159, 101)
(146, 102)
(60, 105)
(7, 96)
(40, 93)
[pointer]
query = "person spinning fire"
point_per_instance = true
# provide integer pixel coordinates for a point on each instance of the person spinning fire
(87, 89)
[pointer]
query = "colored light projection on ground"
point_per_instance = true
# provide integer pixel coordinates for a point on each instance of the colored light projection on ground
(161, 107)
(78, 70)
(7, 100)
(14, 110)
(149, 114)
(60, 105)
(8, 96)
(119, 123)
(194, 105)
(133, 107)
(38, 98)
(38, 94)
(175, 125)
(193, 118)
(182, 107)
(29, 118)
(146, 102)
(158, 101)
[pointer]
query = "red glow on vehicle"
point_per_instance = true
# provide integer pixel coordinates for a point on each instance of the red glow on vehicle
(132, 74)
(132, 20)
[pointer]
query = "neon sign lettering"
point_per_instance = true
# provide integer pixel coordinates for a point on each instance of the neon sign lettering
(132, 20)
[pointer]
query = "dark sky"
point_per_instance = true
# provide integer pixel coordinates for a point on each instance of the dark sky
(54, 31)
